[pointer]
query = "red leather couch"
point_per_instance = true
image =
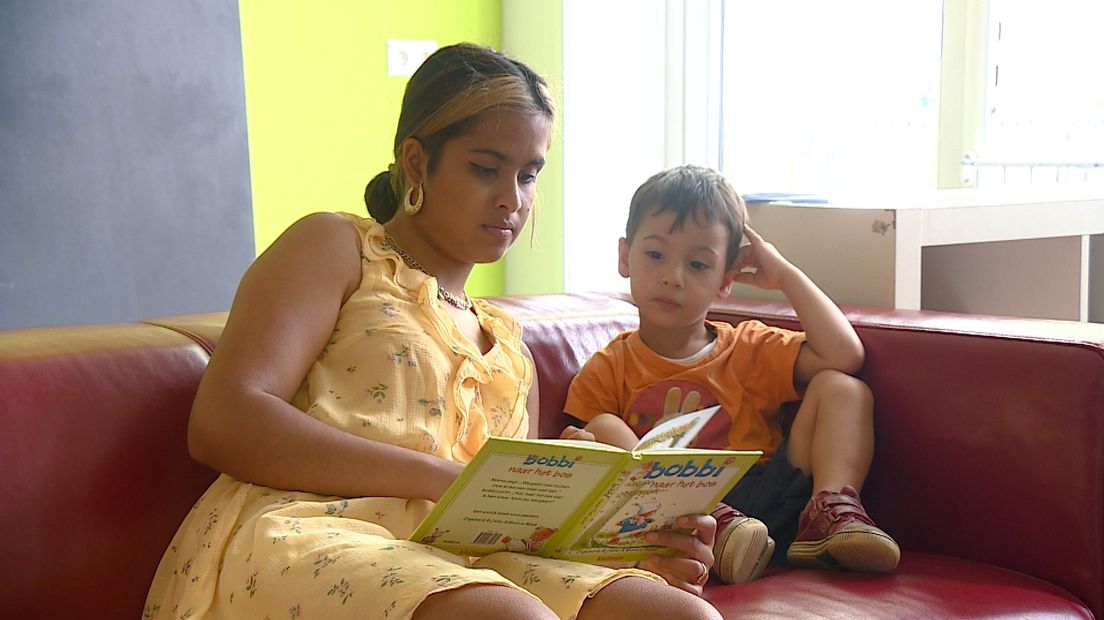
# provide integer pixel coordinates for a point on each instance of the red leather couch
(989, 469)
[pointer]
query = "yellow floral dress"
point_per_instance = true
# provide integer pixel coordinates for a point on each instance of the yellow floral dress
(397, 369)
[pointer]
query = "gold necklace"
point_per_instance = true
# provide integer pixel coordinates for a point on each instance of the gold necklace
(460, 302)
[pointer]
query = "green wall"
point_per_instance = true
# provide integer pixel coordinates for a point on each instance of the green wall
(321, 110)
(533, 33)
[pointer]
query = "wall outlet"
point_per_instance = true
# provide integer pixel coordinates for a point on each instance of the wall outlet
(404, 56)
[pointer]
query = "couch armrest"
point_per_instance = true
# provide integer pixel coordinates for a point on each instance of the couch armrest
(990, 437)
(96, 472)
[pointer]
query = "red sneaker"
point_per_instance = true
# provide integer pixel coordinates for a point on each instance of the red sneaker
(836, 532)
(742, 548)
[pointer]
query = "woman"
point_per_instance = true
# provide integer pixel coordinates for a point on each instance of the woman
(363, 324)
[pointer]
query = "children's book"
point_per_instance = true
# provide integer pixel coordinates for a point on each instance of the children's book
(581, 500)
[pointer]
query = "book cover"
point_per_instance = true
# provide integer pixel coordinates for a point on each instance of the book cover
(583, 501)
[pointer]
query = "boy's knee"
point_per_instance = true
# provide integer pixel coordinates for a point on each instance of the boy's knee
(842, 387)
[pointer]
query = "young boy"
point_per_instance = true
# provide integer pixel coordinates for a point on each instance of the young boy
(682, 250)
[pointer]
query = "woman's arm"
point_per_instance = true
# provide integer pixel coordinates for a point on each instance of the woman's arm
(283, 315)
(532, 400)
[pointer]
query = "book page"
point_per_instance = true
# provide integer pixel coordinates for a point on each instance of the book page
(677, 431)
(516, 496)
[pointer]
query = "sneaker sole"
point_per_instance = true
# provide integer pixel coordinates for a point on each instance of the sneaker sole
(745, 554)
(868, 552)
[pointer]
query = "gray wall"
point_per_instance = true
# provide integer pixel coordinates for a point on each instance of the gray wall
(124, 169)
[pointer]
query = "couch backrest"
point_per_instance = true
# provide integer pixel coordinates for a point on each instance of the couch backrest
(95, 471)
(990, 440)
(562, 331)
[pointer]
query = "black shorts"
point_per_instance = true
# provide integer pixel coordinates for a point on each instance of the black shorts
(775, 494)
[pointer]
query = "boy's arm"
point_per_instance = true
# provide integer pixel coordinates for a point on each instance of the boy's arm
(593, 390)
(576, 429)
(592, 397)
(830, 340)
(604, 428)
(610, 429)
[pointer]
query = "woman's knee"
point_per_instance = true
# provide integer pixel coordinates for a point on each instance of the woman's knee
(637, 598)
(482, 601)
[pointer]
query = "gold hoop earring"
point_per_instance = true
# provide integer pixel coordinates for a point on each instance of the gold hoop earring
(412, 208)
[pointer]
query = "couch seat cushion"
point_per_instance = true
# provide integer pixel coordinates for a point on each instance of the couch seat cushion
(923, 586)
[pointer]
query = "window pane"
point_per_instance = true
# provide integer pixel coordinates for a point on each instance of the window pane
(830, 97)
(1044, 93)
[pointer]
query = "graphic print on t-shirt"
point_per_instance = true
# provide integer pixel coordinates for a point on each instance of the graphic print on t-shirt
(672, 397)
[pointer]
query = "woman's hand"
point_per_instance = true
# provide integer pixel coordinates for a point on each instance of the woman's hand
(689, 568)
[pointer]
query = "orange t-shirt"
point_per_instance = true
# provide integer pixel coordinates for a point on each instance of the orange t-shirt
(749, 372)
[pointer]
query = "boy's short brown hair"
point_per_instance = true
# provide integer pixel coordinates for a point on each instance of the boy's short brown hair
(696, 191)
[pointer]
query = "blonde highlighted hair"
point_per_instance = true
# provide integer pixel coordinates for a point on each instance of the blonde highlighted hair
(445, 97)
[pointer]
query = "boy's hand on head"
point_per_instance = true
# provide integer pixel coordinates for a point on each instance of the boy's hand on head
(760, 264)
(574, 432)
